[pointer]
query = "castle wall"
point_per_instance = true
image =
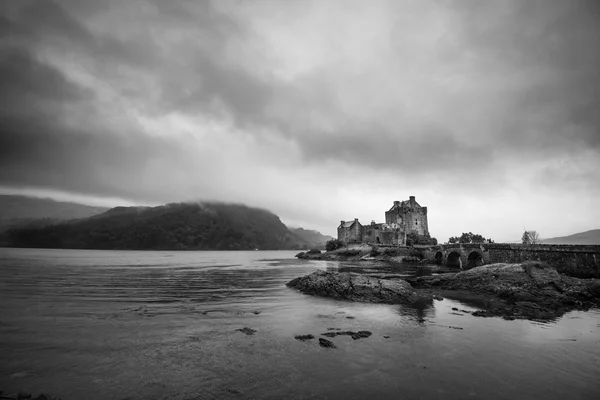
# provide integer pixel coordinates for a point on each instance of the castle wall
(386, 235)
(356, 232)
(371, 233)
(352, 234)
(404, 216)
(343, 234)
(410, 216)
(389, 237)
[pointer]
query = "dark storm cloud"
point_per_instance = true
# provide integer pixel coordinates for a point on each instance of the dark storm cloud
(35, 24)
(24, 79)
(540, 61)
(43, 153)
(37, 148)
(40, 154)
(420, 152)
(527, 73)
(552, 46)
(202, 81)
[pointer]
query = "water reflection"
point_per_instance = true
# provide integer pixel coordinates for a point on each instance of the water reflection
(420, 310)
(471, 299)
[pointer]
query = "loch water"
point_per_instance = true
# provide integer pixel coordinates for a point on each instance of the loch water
(98, 325)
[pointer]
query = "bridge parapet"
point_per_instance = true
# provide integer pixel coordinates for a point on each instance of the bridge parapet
(575, 260)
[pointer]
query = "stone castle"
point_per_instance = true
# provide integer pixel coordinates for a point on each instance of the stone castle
(403, 218)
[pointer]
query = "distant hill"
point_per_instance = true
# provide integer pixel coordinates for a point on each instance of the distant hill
(180, 226)
(22, 211)
(313, 238)
(588, 237)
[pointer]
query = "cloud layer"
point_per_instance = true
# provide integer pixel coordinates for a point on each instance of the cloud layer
(317, 110)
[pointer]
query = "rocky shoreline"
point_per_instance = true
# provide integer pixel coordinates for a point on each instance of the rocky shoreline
(529, 290)
(365, 252)
(355, 287)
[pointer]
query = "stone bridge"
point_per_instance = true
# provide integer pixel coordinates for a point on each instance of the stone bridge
(575, 260)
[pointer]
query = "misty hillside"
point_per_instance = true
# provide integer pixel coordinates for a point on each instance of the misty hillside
(206, 226)
(315, 239)
(588, 237)
(22, 211)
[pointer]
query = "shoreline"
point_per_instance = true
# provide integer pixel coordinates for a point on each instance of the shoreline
(529, 290)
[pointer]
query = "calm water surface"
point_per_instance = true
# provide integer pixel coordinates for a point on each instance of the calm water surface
(162, 325)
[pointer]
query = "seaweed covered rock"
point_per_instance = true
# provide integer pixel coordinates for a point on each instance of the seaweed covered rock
(355, 287)
(531, 290)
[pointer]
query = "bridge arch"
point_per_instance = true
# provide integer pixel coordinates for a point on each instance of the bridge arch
(439, 258)
(453, 260)
(475, 259)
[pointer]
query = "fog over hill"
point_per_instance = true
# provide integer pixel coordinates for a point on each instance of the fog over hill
(23, 211)
(313, 238)
(32, 207)
(176, 226)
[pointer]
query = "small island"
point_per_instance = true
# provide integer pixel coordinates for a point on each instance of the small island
(521, 281)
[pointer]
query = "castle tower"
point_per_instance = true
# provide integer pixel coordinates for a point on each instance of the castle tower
(409, 216)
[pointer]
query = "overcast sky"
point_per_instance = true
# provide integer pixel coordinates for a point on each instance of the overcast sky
(320, 111)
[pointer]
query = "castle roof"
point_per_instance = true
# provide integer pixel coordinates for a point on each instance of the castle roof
(403, 203)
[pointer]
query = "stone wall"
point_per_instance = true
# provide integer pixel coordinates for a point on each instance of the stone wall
(408, 215)
(352, 234)
(386, 235)
(389, 237)
(574, 260)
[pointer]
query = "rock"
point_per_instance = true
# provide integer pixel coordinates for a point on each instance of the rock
(438, 298)
(326, 343)
(386, 336)
(355, 287)
(338, 333)
(361, 334)
(23, 396)
(349, 317)
(530, 290)
(247, 331)
(299, 255)
(43, 396)
(354, 335)
(594, 287)
(304, 338)
(324, 316)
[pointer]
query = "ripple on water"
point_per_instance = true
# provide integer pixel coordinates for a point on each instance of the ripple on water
(98, 325)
